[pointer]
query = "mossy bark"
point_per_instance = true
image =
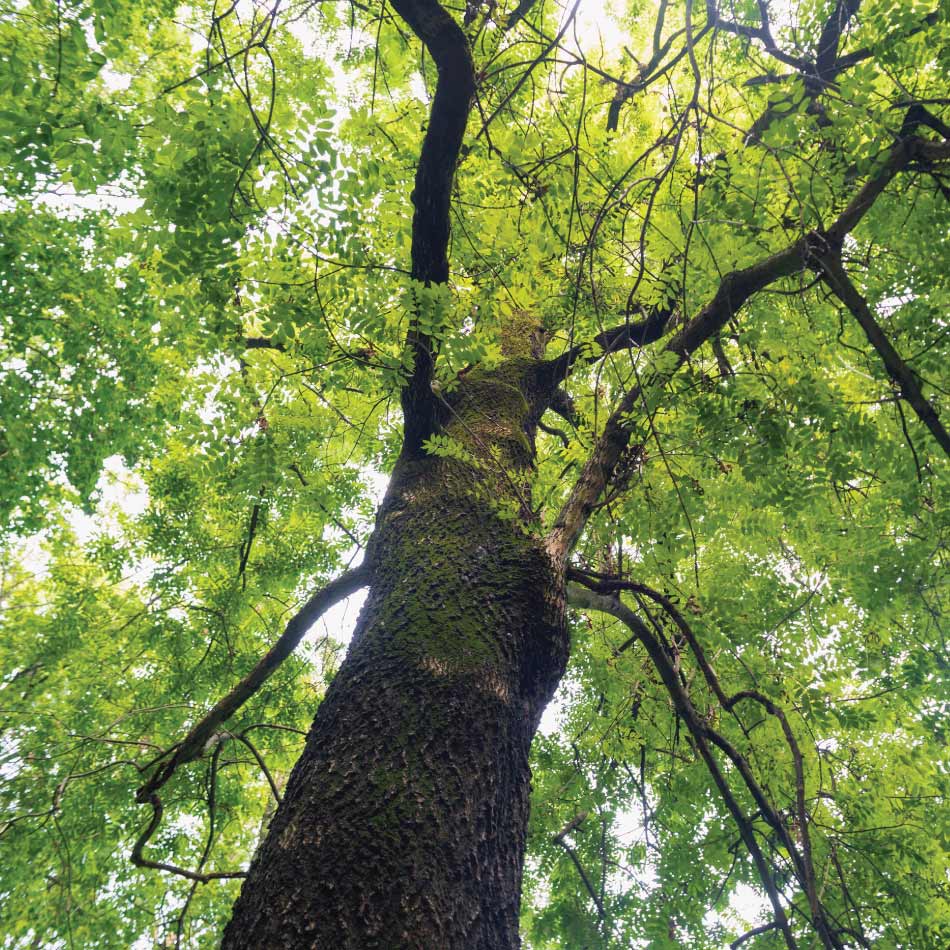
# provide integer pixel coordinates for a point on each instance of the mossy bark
(403, 824)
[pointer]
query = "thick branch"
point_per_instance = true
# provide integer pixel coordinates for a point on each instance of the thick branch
(519, 13)
(623, 337)
(194, 744)
(734, 291)
(901, 155)
(838, 280)
(435, 174)
(826, 53)
(918, 115)
(262, 343)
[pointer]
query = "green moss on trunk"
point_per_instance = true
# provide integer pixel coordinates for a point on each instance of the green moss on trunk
(403, 824)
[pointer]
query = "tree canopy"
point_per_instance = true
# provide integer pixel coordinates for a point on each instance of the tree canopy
(725, 226)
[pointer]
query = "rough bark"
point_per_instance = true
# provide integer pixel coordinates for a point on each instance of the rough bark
(404, 822)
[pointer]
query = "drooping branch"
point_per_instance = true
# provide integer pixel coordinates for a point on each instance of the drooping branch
(903, 376)
(585, 599)
(556, 432)
(435, 173)
(592, 596)
(735, 289)
(606, 584)
(194, 744)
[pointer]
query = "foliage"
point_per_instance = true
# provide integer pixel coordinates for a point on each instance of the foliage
(205, 226)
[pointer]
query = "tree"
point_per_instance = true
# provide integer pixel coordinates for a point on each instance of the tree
(644, 331)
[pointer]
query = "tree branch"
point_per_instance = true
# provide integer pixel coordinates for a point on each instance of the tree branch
(754, 932)
(734, 291)
(838, 280)
(623, 337)
(561, 839)
(628, 89)
(860, 55)
(563, 405)
(519, 13)
(431, 196)
(194, 744)
(804, 862)
(262, 343)
(762, 33)
(246, 545)
(578, 596)
(826, 52)
(138, 858)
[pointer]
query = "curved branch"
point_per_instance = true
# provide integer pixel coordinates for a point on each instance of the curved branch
(581, 597)
(435, 173)
(195, 743)
(139, 860)
(754, 932)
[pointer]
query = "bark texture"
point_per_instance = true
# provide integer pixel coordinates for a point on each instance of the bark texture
(403, 824)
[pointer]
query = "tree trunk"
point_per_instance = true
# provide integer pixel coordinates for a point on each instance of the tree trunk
(403, 824)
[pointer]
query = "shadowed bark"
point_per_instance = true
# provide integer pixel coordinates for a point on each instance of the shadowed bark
(404, 822)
